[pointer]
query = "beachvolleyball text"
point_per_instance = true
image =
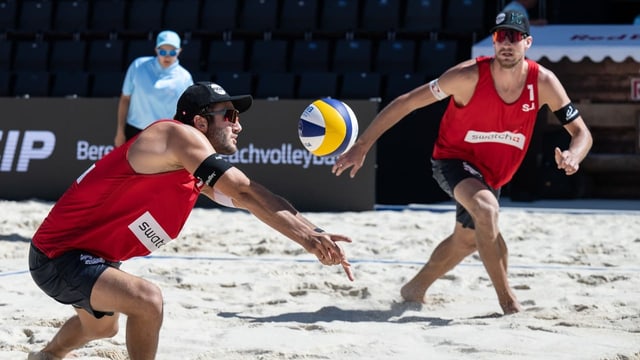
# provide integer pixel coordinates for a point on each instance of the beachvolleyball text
(286, 154)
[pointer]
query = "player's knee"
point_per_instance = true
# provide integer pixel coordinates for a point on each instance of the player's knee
(485, 214)
(152, 300)
(464, 238)
(109, 330)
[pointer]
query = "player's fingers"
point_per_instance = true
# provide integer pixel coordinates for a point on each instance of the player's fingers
(340, 238)
(347, 269)
(340, 166)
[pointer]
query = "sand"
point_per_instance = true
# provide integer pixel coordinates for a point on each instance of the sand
(236, 289)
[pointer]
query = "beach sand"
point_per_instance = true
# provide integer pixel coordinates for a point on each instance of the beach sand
(236, 289)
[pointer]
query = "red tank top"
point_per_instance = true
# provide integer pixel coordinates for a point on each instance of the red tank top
(115, 213)
(488, 133)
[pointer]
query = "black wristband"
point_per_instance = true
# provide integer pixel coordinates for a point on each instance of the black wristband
(567, 113)
(211, 169)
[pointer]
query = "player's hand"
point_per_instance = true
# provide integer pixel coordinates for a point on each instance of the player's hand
(329, 252)
(566, 161)
(119, 139)
(354, 157)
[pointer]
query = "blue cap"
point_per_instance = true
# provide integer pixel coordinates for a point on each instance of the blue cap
(168, 37)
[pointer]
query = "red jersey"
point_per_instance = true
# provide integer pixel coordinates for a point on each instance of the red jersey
(115, 213)
(488, 133)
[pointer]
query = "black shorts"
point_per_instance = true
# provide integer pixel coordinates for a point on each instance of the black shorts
(449, 173)
(131, 131)
(69, 278)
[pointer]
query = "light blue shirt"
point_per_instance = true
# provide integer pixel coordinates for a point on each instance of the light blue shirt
(516, 6)
(154, 91)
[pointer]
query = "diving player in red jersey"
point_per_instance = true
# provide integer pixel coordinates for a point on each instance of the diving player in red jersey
(483, 137)
(136, 199)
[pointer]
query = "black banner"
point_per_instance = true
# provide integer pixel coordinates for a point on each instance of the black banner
(45, 144)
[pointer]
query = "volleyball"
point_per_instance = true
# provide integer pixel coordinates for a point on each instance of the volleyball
(327, 127)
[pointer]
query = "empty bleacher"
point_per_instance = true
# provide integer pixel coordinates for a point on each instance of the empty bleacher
(385, 39)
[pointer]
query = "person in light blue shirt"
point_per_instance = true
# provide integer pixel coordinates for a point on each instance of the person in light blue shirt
(151, 88)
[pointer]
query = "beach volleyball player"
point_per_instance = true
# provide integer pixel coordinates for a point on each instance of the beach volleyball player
(482, 140)
(136, 199)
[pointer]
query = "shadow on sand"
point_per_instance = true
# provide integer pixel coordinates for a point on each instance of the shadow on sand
(332, 313)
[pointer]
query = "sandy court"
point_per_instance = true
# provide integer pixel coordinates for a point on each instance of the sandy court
(236, 289)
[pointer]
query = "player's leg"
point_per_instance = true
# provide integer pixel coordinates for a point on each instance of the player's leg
(448, 254)
(140, 300)
(483, 206)
(76, 332)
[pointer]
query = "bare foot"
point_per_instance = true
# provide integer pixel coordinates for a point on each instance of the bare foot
(411, 293)
(41, 355)
(511, 307)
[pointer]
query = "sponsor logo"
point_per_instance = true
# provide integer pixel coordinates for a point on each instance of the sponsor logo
(34, 145)
(506, 137)
(470, 169)
(287, 154)
(149, 232)
(571, 112)
(91, 260)
(87, 151)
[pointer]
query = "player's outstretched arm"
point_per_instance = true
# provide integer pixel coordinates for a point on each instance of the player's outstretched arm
(279, 214)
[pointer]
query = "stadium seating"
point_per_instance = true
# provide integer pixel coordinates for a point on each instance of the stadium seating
(31, 83)
(70, 84)
(35, 16)
(235, 82)
(31, 56)
(71, 16)
(352, 55)
(225, 56)
(107, 16)
(269, 56)
(381, 15)
(422, 16)
(360, 85)
(299, 16)
(8, 15)
(310, 55)
(181, 15)
(279, 85)
(313, 85)
(395, 56)
(218, 16)
(68, 55)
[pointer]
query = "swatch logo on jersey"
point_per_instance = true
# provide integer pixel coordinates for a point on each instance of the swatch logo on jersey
(506, 137)
(149, 232)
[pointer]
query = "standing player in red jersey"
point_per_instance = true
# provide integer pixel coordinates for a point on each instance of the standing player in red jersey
(135, 200)
(483, 138)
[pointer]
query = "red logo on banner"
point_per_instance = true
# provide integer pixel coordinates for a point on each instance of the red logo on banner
(635, 89)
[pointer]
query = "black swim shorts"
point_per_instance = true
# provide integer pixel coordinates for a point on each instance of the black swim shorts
(449, 173)
(69, 278)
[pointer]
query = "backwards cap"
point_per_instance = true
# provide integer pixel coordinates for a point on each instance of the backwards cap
(199, 95)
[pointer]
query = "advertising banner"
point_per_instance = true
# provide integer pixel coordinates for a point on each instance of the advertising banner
(45, 144)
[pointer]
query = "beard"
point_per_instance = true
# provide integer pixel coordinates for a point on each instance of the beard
(508, 64)
(223, 144)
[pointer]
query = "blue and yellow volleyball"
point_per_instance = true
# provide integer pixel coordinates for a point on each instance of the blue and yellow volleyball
(327, 127)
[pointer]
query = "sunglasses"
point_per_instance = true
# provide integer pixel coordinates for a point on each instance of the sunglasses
(513, 35)
(230, 115)
(163, 52)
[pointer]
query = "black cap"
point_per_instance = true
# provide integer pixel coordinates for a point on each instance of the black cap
(199, 95)
(514, 20)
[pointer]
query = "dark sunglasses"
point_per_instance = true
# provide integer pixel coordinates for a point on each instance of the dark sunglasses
(230, 115)
(163, 52)
(513, 35)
